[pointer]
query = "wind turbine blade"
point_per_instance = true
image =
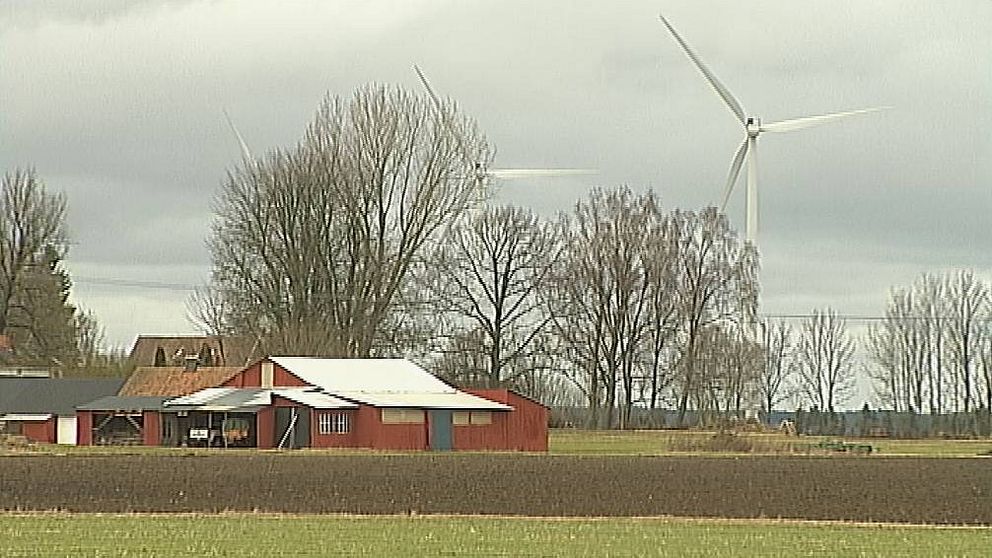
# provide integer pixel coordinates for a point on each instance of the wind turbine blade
(444, 118)
(430, 91)
(809, 121)
(735, 171)
(721, 90)
(523, 173)
(245, 152)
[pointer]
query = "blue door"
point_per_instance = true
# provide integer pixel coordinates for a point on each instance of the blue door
(440, 421)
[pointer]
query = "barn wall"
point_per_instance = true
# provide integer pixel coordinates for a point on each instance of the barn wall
(40, 431)
(526, 425)
(265, 425)
(151, 428)
(252, 377)
(372, 433)
(84, 428)
(483, 437)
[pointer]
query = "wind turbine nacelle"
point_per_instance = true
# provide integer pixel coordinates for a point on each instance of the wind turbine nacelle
(753, 126)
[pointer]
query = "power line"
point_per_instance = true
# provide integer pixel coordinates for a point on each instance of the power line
(867, 318)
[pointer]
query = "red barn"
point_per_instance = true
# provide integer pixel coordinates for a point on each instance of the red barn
(389, 404)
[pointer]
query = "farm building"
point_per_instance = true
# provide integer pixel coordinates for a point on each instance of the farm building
(294, 402)
(44, 409)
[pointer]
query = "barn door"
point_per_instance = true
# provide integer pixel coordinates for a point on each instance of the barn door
(170, 429)
(292, 427)
(440, 421)
(66, 431)
(302, 430)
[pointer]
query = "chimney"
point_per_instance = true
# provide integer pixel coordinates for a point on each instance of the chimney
(191, 363)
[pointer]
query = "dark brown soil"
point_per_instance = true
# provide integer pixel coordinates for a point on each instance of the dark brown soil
(944, 491)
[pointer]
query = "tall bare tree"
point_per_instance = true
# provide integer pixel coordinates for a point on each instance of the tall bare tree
(968, 302)
(825, 360)
(601, 300)
(777, 363)
(716, 285)
(34, 287)
(32, 230)
(313, 247)
(489, 274)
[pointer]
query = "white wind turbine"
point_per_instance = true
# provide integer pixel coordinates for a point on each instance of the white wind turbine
(753, 128)
(481, 172)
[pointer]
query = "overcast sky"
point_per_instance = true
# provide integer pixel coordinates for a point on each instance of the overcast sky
(119, 105)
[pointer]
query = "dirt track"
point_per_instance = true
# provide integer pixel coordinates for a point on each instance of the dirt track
(947, 491)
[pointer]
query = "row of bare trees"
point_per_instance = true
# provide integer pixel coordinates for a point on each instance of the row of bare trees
(370, 238)
(933, 351)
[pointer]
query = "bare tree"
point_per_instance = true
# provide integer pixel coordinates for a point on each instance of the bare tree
(968, 300)
(313, 247)
(488, 275)
(825, 360)
(32, 228)
(34, 286)
(601, 295)
(716, 284)
(777, 363)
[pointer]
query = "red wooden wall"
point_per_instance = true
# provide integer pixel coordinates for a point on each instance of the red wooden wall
(84, 428)
(525, 428)
(252, 377)
(40, 431)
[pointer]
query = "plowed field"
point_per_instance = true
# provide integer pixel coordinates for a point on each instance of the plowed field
(944, 491)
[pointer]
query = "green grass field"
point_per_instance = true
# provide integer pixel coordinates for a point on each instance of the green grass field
(261, 535)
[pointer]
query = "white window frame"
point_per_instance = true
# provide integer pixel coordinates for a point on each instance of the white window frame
(333, 423)
(481, 418)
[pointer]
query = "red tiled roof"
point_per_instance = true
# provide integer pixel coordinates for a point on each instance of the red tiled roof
(175, 380)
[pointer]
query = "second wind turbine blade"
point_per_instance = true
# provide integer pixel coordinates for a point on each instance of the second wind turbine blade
(521, 173)
(721, 90)
(245, 152)
(444, 117)
(735, 171)
(810, 121)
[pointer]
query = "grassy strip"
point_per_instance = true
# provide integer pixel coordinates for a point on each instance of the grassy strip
(665, 442)
(266, 535)
(606, 442)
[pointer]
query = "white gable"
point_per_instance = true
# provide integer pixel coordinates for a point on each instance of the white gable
(379, 375)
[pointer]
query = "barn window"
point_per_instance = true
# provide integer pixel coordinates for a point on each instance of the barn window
(402, 416)
(481, 418)
(334, 423)
(473, 418)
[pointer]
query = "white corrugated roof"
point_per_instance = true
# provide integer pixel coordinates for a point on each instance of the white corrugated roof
(25, 417)
(455, 400)
(313, 399)
(200, 397)
(380, 375)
